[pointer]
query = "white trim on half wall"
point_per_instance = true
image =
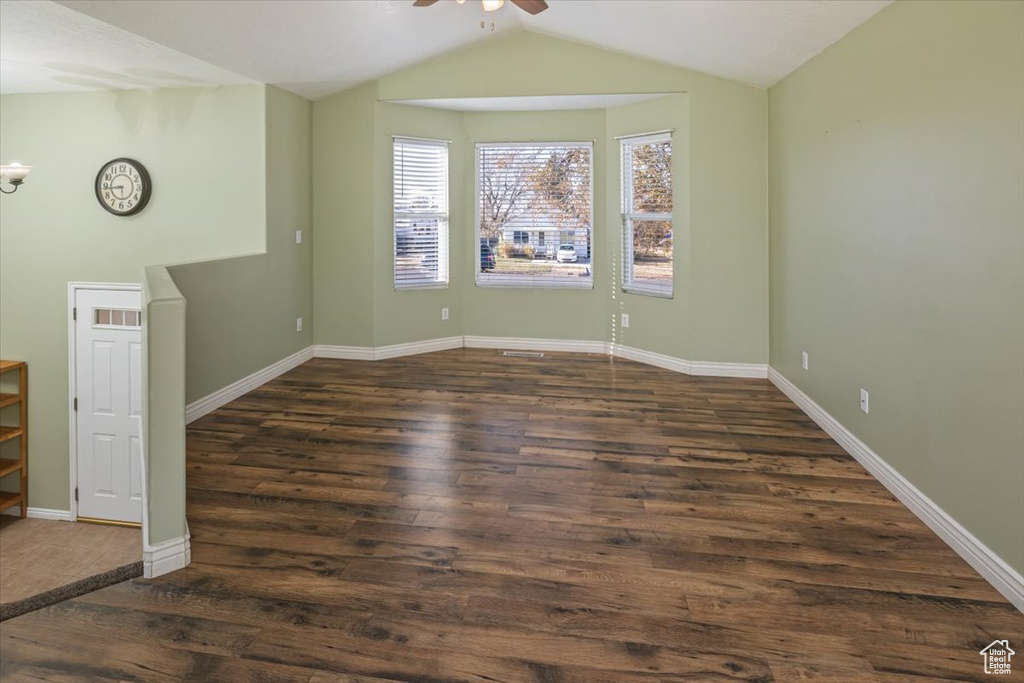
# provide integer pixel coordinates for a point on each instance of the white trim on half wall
(166, 557)
(992, 567)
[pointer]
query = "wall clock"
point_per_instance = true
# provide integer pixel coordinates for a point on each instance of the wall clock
(123, 187)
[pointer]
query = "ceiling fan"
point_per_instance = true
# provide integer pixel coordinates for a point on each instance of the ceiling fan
(530, 6)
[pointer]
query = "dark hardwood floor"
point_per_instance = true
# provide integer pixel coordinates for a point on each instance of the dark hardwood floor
(465, 517)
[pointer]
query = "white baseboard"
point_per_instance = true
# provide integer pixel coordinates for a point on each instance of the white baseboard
(1002, 576)
(530, 344)
(207, 404)
(343, 352)
(714, 369)
(690, 367)
(706, 368)
(166, 557)
(413, 348)
(41, 513)
(386, 352)
(658, 360)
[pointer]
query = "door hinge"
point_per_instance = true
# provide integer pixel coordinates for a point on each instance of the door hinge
(76, 494)
(76, 404)
(74, 313)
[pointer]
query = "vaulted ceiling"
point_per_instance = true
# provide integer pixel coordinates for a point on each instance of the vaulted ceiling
(314, 48)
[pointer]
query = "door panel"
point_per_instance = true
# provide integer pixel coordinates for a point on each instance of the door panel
(103, 464)
(108, 369)
(102, 377)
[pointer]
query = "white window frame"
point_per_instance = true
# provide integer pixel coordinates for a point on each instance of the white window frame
(491, 280)
(629, 216)
(443, 234)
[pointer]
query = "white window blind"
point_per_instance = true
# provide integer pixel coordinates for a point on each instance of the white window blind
(420, 213)
(535, 207)
(647, 214)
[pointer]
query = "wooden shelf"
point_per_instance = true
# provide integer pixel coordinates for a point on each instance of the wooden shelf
(7, 433)
(8, 466)
(20, 432)
(9, 499)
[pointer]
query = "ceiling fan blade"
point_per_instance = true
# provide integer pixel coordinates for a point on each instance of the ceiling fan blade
(423, 3)
(531, 6)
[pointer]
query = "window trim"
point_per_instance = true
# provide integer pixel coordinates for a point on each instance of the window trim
(629, 286)
(487, 279)
(444, 242)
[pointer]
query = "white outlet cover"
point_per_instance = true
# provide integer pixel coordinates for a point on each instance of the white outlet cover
(298, 324)
(864, 400)
(803, 360)
(298, 237)
(444, 314)
(625, 319)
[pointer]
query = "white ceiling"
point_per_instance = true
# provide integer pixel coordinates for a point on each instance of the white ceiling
(315, 47)
(48, 48)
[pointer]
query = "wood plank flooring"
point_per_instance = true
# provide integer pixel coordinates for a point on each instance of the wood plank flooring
(465, 517)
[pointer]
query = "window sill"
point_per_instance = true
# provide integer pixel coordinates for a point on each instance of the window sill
(646, 291)
(412, 288)
(527, 284)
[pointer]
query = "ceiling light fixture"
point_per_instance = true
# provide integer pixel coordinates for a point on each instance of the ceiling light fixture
(529, 6)
(14, 174)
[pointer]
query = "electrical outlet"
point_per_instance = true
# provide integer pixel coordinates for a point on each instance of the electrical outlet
(298, 237)
(803, 359)
(625, 319)
(298, 324)
(444, 314)
(864, 400)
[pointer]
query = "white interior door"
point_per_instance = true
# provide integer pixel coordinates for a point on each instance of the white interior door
(108, 369)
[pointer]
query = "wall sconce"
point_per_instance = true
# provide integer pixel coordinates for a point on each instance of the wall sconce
(14, 174)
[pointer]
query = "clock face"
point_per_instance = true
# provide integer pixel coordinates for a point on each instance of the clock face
(123, 187)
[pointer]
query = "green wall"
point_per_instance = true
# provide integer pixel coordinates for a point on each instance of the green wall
(234, 301)
(724, 266)
(343, 216)
(400, 317)
(897, 249)
(204, 149)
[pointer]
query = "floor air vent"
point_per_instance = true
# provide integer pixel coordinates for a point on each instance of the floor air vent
(524, 354)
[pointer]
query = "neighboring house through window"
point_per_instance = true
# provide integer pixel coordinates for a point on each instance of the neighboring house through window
(527, 193)
(647, 214)
(420, 213)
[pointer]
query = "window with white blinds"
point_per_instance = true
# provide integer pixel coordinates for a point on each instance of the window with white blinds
(535, 207)
(420, 213)
(647, 214)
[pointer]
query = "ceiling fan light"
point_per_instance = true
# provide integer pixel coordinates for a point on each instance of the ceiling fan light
(491, 5)
(461, 2)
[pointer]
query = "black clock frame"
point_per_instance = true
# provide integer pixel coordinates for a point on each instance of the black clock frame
(146, 190)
